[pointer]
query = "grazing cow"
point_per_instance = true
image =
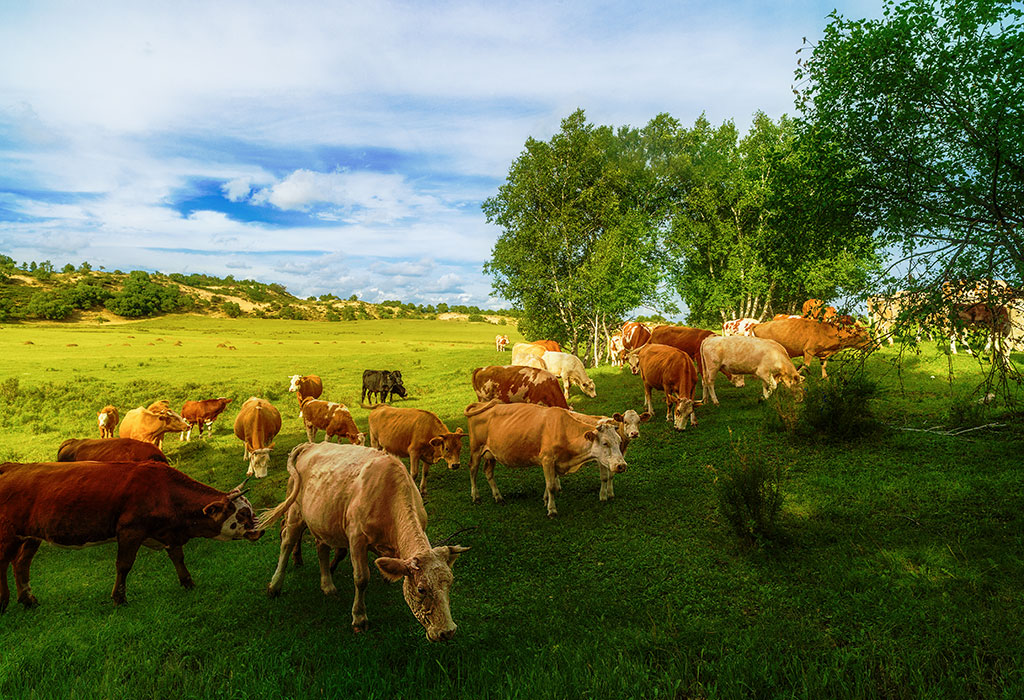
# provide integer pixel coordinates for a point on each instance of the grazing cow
(809, 338)
(527, 435)
(332, 418)
(111, 450)
(500, 342)
(765, 359)
(107, 419)
(551, 345)
(635, 335)
(817, 310)
(682, 338)
(79, 504)
(569, 369)
(382, 382)
(361, 499)
(202, 414)
(993, 318)
(616, 350)
(518, 384)
(256, 425)
(309, 385)
(782, 317)
(159, 406)
(627, 425)
(522, 352)
(142, 424)
(670, 370)
(739, 326)
(417, 434)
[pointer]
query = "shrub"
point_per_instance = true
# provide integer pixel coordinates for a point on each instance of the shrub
(49, 306)
(750, 496)
(231, 308)
(143, 297)
(9, 389)
(840, 407)
(476, 318)
(348, 314)
(86, 296)
(333, 317)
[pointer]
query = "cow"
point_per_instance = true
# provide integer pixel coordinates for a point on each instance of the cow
(817, 310)
(202, 414)
(627, 425)
(303, 386)
(109, 450)
(522, 352)
(883, 313)
(635, 335)
(682, 338)
(551, 345)
(616, 350)
(79, 504)
(518, 384)
(107, 420)
(500, 342)
(382, 382)
(417, 434)
(159, 406)
(363, 500)
(333, 418)
(569, 369)
(530, 361)
(739, 326)
(765, 359)
(527, 435)
(993, 318)
(782, 317)
(142, 424)
(256, 425)
(671, 370)
(809, 338)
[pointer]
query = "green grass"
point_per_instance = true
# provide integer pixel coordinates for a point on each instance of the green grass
(899, 573)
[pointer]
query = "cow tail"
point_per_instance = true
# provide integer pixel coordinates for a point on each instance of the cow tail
(272, 515)
(475, 409)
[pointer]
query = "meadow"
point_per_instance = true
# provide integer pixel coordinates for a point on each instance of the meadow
(899, 571)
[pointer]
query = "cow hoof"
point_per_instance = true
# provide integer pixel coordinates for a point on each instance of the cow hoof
(360, 626)
(188, 584)
(332, 591)
(499, 500)
(119, 601)
(552, 514)
(29, 601)
(476, 501)
(273, 592)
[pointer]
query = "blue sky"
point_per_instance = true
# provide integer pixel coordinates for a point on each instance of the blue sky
(340, 147)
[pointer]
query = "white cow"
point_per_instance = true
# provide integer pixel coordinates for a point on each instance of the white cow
(739, 355)
(569, 369)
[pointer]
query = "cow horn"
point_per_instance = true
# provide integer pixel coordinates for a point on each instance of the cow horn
(452, 536)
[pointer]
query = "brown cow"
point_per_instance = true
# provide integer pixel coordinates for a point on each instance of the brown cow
(333, 418)
(416, 434)
(682, 338)
(111, 450)
(308, 386)
(518, 384)
(142, 424)
(551, 345)
(107, 420)
(809, 338)
(817, 310)
(202, 414)
(361, 499)
(667, 369)
(635, 335)
(79, 504)
(256, 425)
(527, 435)
(159, 406)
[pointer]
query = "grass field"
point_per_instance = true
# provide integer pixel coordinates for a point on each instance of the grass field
(900, 572)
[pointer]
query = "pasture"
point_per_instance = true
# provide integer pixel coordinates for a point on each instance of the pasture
(900, 573)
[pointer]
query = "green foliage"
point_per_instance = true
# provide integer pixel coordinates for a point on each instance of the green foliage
(141, 297)
(86, 296)
(348, 313)
(332, 316)
(48, 306)
(231, 308)
(476, 318)
(290, 312)
(6, 306)
(750, 495)
(840, 407)
(9, 389)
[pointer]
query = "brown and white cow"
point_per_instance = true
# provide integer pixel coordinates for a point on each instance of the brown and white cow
(738, 355)
(739, 326)
(363, 500)
(817, 309)
(107, 419)
(627, 425)
(332, 418)
(670, 370)
(417, 434)
(616, 350)
(109, 450)
(569, 370)
(500, 342)
(256, 425)
(79, 504)
(202, 414)
(682, 338)
(305, 386)
(518, 384)
(527, 435)
(521, 352)
(551, 345)
(809, 338)
(142, 424)
(635, 335)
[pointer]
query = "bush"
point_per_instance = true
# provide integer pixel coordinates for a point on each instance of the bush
(476, 318)
(333, 317)
(143, 297)
(9, 389)
(49, 306)
(348, 314)
(750, 496)
(86, 296)
(231, 308)
(840, 407)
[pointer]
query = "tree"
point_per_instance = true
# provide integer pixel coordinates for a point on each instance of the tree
(49, 306)
(926, 102)
(142, 297)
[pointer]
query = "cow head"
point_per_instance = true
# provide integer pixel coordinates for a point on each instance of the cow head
(172, 422)
(427, 580)
(294, 385)
(587, 386)
(682, 409)
(448, 447)
(259, 461)
(606, 446)
(633, 357)
(630, 422)
(233, 516)
(357, 438)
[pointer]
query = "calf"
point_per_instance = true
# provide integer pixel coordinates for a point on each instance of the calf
(526, 435)
(333, 418)
(627, 425)
(202, 414)
(109, 450)
(107, 420)
(518, 384)
(80, 504)
(148, 426)
(309, 385)
(360, 499)
(765, 359)
(383, 383)
(500, 342)
(417, 434)
(256, 425)
(569, 369)
(670, 370)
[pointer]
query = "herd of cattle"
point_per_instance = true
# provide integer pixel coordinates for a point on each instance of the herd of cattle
(357, 498)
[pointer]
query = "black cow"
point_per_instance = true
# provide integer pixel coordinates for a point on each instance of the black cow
(382, 382)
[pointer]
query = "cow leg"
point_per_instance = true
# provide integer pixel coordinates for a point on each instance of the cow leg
(647, 398)
(297, 552)
(708, 384)
(423, 479)
(824, 374)
(310, 433)
(177, 555)
(339, 554)
(323, 554)
(8, 550)
(21, 566)
(291, 535)
(128, 544)
(565, 388)
(361, 577)
(605, 482)
(474, 465)
(489, 473)
(550, 477)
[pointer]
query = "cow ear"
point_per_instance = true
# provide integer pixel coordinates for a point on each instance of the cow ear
(617, 417)
(215, 509)
(435, 441)
(590, 435)
(458, 431)
(452, 553)
(644, 417)
(393, 569)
